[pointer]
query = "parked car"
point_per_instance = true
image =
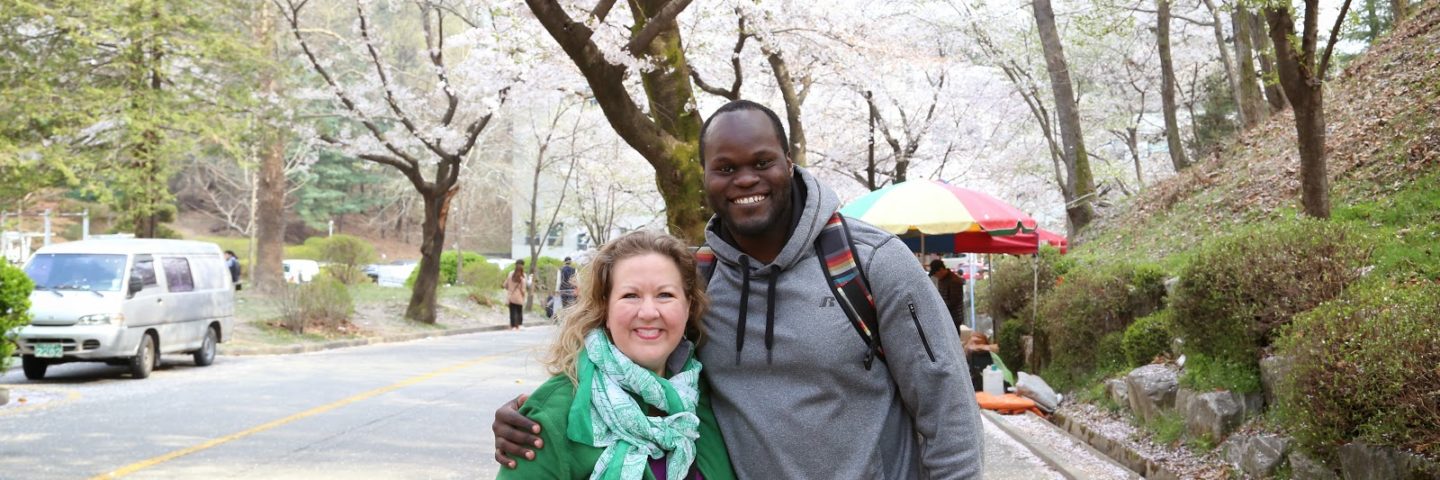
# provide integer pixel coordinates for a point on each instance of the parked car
(300, 271)
(125, 302)
(374, 270)
(394, 274)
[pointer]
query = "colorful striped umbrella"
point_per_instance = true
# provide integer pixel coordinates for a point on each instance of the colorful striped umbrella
(935, 207)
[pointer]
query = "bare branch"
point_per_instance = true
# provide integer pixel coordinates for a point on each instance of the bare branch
(1191, 21)
(409, 163)
(1334, 36)
(436, 45)
(734, 92)
(385, 83)
(602, 10)
(653, 25)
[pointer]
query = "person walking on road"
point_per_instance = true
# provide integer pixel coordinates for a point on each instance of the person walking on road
(515, 284)
(566, 284)
(804, 398)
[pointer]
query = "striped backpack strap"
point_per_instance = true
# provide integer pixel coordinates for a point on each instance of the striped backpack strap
(705, 264)
(849, 284)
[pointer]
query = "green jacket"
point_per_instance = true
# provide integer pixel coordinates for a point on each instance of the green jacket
(563, 458)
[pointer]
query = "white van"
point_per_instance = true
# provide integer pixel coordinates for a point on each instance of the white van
(300, 271)
(125, 302)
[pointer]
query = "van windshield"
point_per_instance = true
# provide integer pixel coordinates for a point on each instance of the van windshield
(70, 271)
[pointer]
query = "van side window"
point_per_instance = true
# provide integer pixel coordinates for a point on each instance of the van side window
(145, 268)
(177, 274)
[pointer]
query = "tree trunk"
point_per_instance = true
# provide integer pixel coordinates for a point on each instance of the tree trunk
(1304, 85)
(1252, 100)
(1132, 141)
(1372, 20)
(267, 273)
(1399, 11)
(1080, 185)
(432, 244)
(1167, 87)
(1231, 75)
(792, 105)
(669, 135)
(1260, 39)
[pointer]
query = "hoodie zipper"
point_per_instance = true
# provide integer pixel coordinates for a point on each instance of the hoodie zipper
(918, 328)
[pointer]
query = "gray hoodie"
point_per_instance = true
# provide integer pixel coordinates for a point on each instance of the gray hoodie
(790, 388)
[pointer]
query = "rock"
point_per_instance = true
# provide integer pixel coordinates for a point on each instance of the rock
(1233, 450)
(1170, 284)
(1152, 388)
(1183, 397)
(1305, 466)
(1118, 391)
(1360, 461)
(1265, 453)
(1213, 414)
(1272, 369)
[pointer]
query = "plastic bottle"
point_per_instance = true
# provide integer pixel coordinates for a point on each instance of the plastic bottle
(993, 381)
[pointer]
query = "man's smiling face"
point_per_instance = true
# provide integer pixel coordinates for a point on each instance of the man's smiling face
(747, 174)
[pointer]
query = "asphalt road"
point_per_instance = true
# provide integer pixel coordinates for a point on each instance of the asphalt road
(417, 409)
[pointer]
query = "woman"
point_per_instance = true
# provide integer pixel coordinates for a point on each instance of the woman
(626, 400)
(515, 294)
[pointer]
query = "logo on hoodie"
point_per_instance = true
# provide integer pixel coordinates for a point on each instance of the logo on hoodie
(827, 301)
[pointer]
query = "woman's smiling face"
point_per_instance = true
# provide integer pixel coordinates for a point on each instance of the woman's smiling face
(647, 309)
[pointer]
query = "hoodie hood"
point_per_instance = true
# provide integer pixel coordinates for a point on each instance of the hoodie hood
(811, 207)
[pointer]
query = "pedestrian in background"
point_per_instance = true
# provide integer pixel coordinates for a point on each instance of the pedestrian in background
(515, 294)
(566, 284)
(233, 264)
(952, 291)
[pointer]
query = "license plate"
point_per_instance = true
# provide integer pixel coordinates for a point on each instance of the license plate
(49, 350)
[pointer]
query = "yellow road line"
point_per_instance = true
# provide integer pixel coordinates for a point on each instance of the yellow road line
(144, 464)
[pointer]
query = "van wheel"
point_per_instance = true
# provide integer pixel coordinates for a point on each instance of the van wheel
(34, 367)
(145, 358)
(206, 354)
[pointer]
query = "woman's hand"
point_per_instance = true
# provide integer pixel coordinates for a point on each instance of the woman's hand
(514, 432)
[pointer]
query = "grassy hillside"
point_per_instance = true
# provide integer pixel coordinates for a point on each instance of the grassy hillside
(1384, 166)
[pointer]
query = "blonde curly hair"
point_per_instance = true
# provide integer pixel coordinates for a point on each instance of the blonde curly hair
(592, 306)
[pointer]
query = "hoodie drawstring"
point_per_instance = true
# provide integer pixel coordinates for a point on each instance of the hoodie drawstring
(744, 304)
(745, 312)
(770, 318)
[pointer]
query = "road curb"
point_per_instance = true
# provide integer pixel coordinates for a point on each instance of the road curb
(1050, 457)
(354, 342)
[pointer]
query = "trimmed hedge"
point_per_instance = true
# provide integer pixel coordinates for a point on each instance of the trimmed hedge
(448, 274)
(15, 288)
(1147, 338)
(1364, 367)
(1238, 289)
(1094, 301)
(1013, 282)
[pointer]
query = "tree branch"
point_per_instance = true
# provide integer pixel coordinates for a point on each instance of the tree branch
(734, 92)
(436, 46)
(1330, 44)
(653, 25)
(1191, 21)
(385, 83)
(602, 10)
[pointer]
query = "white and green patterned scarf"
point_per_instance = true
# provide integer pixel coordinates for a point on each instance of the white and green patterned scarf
(606, 415)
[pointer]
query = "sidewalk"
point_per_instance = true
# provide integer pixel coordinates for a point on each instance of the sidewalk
(1073, 459)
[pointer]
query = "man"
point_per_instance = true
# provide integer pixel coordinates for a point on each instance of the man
(566, 285)
(952, 290)
(801, 401)
(233, 264)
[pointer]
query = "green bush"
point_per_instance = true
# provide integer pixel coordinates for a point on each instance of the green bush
(1364, 368)
(1011, 341)
(448, 274)
(1236, 289)
(1205, 373)
(15, 288)
(1147, 338)
(347, 256)
(1013, 282)
(324, 304)
(482, 281)
(1110, 352)
(1094, 301)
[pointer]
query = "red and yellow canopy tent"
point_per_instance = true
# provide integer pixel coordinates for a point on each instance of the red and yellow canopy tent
(934, 216)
